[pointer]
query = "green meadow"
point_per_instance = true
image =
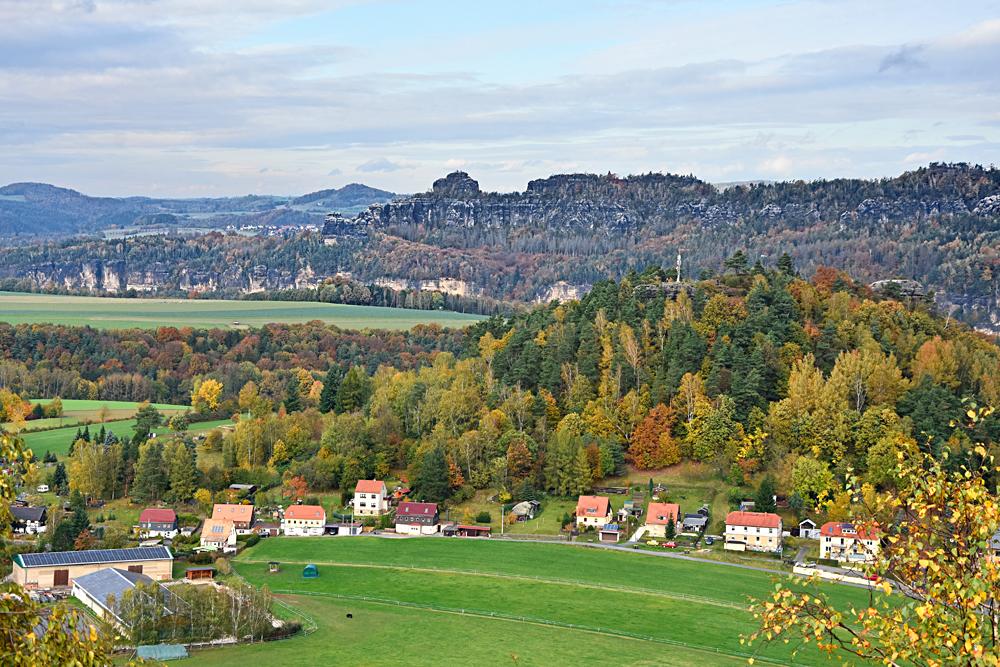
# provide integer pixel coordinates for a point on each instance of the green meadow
(493, 602)
(118, 313)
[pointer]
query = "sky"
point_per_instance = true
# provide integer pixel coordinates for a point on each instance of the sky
(193, 98)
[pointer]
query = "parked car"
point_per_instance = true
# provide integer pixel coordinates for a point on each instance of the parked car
(709, 541)
(42, 488)
(670, 545)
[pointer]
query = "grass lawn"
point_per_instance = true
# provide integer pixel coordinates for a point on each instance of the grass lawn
(58, 440)
(78, 411)
(656, 600)
(117, 313)
(389, 635)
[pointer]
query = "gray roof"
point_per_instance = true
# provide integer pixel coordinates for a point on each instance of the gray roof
(695, 519)
(525, 507)
(995, 540)
(92, 556)
(27, 513)
(110, 581)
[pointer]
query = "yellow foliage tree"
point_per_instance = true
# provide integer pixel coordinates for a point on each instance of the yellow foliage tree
(205, 395)
(940, 592)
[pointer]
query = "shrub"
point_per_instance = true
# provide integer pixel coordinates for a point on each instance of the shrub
(222, 566)
(200, 558)
(253, 539)
(484, 517)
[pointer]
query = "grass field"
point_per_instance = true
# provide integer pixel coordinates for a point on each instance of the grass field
(76, 411)
(467, 601)
(116, 313)
(58, 440)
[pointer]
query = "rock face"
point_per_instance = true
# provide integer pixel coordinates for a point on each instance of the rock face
(457, 185)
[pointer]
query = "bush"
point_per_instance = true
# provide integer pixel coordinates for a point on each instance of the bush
(253, 539)
(222, 566)
(484, 517)
(201, 558)
(287, 629)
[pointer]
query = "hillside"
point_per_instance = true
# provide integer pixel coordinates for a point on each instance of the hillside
(938, 225)
(39, 210)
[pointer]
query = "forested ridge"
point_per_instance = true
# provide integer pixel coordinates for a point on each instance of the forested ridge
(939, 225)
(758, 371)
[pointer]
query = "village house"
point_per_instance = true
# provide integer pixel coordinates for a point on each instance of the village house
(593, 511)
(102, 591)
(370, 498)
(694, 523)
(155, 522)
(995, 544)
(28, 520)
(241, 516)
(753, 531)
(304, 520)
(62, 568)
(218, 535)
(846, 543)
(658, 516)
(417, 518)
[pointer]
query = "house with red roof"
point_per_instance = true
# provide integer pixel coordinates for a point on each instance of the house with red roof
(593, 511)
(240, 515)
(848, 543)
(753, 531)
(158, 522)
(417, 518)
(304, 521)
(370, 498)
(659, 515)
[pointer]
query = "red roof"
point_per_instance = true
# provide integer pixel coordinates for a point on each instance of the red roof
(236, 513)
(306, 512)
(157, 515)
(416, 509)
(754, 519)
(658, 514)
(592, 506)
(484, 529)
(370, 486)
(838, 529)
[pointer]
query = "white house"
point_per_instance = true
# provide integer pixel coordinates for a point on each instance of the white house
(28, 520)
(846, 543)
(753, 531)
(593, 511)
(157, 522)
(218, 535)
(304, 520)
(417, 519)
(370, 498)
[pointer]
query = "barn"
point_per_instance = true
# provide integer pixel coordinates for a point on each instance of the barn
(60, 568)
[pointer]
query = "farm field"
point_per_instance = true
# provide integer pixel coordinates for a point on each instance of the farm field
(118, 313)
(58, 440)
(79, 411)
(548, 598)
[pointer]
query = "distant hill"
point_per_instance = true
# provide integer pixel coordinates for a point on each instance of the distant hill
(938, 225)
(31, 210)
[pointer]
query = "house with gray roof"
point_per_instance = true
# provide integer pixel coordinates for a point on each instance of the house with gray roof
(28, 520)
(103, 590)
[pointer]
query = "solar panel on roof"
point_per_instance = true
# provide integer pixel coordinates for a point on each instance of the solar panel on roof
(94, 556)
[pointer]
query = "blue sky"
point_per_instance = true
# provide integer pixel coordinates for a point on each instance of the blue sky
(212, 97)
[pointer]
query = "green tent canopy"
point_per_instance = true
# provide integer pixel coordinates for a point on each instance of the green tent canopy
(161, 652)
(310, 571)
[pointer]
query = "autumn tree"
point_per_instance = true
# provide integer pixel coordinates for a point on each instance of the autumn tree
(205, 395)
(651, 445)
(939, 601)
(82, 642)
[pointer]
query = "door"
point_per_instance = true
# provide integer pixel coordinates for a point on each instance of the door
(60, 578)
(135, 568)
